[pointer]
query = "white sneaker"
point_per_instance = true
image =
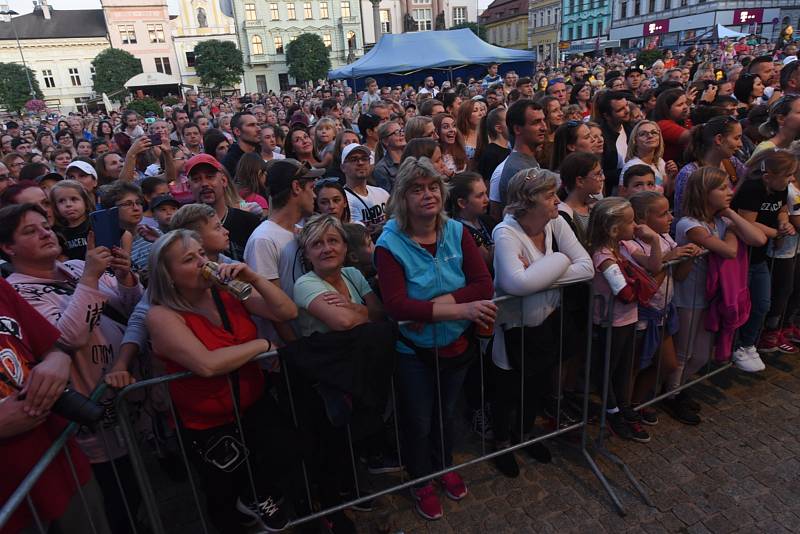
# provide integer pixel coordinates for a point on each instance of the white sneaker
(747, 359)
(753, 351)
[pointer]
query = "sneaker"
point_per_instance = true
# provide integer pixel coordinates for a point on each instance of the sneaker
(453, 485)
(379, 464)
(638, 433)
(681, 411)
(630, 415)
(269, 515)
(507, 464)
(792, 333)
(539, 452)
(482, 423)
(773, 341)
(648, 416)
(747, 359)
(427, 502)
(618, 426)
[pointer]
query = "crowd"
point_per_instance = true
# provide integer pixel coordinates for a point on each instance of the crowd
(315, 221)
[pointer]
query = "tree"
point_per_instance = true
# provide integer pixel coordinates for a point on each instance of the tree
(648, 57)
(477, 29)
(308, 58)
(113, 67)
(143, 105)
(218, 63)
(14, 89)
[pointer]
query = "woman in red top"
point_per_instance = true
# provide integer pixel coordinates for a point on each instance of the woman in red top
(672, 116)
(197, 327)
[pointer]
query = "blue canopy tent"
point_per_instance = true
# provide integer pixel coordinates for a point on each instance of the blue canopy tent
(410, 57)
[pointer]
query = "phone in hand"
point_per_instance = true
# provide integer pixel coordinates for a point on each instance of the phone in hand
(106, 228)
(155, 139)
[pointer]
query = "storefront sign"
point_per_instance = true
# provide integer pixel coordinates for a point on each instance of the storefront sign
(748, 16)
(656, 27)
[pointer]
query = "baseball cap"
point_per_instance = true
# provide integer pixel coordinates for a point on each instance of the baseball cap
(298, 117)
(202, 159)
(283, 172)
(789, 59)
(349, 149)
(49, 176)
(160, 200)
(84, 167)
(633, 69)
(154, 169)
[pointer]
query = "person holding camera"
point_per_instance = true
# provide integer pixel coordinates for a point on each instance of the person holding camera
(90, 308)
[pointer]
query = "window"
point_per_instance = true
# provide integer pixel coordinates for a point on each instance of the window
(257, 46)
(623, 10)
(156, 33)
(273, 12)
(599, 27)
(249, 12)
(92, 71)
(459, 15)
(323, 10)
(74, 77)
(190, 59)
(667, 4)
(163, 66)
(651, 8)
(637, 8)
(423, 18)
(533, 21)
(326, 38)
(261, 83)
(346, 8)
(307, 11)
(283, 81)
(570, 33)
(386, 21)
(541, 18)
(278, 40)
(351, 39)
(49, 80)
(684, 3)
(290, 12)
(127, 34)
(580, 31)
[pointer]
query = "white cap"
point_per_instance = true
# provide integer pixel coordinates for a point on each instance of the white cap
(84, 167)
(154, 169)
(355, 146)
(789, 59)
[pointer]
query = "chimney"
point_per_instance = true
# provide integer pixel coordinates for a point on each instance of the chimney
(45, 9)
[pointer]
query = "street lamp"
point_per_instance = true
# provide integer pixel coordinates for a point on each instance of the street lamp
(10, 13)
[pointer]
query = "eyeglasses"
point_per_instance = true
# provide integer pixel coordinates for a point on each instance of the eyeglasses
(357, 161)
(647, 133)
(399, 131)
(130, 203)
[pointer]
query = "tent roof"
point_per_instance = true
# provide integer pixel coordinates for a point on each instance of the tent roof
(405, 52)
(723, 33)
(151, 78)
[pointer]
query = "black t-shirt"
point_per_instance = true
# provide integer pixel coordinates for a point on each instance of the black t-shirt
(490, 158)
(73, 240)
(752, 195)
(240, 224)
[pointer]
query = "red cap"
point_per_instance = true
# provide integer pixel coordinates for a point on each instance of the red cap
(200, 159)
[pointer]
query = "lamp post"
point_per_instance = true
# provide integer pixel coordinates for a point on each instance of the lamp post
(10, 13)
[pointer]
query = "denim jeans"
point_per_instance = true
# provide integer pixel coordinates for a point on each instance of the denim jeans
(421, 449)
(758, 278)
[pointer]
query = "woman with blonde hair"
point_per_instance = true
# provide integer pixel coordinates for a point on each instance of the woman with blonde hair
(431, 273)
(646, 147)
(420, 126)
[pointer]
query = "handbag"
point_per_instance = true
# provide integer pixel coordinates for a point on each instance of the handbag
(644, 286)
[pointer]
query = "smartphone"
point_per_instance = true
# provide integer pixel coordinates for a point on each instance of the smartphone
(105, 225)
(155, 139)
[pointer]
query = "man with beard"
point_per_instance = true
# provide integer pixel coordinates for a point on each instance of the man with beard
(244, 126)
(208, 180)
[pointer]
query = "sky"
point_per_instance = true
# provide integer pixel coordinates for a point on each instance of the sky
(26, 6)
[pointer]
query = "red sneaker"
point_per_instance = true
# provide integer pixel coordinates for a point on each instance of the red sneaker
(787, 346)
(454, 486)
(792, 333)
(427, 502)
(770, 341)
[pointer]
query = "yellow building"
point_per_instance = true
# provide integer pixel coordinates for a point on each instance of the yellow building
(506, 23)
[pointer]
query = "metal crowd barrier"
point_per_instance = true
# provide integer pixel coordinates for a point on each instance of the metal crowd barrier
(589, 447)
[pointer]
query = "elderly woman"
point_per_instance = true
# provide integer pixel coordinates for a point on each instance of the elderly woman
(90, 308)
(197, 327)
(646, 147)
(430, 273)
(534, 249)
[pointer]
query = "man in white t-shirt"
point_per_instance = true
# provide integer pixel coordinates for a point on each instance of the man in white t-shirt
(367, 203)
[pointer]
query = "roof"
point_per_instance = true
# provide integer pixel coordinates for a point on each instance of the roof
(504, 9)
(147, 79)
(406, 52)
(63, 24)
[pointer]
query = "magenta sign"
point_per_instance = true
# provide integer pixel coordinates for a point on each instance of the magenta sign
(656, 27)
(748, 16)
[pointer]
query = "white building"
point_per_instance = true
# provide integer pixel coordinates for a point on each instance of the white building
(392, 15)
(266, 27)
(197, 21)
(59, 46)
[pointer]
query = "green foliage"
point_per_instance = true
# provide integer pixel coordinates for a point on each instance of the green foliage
(477, 29)
(308, 58)
(113, 67)
(648, 57)
(169, 101)
(143, 105)
(14, 89)
(218, 63)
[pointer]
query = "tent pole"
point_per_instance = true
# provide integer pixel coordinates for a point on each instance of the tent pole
(451, 76)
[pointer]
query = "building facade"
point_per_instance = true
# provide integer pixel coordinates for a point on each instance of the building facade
(58, 46)
(197, 21)
(506, 23)
(266, 27)
(544, 23)
(422, 16)
(585, 25)
(641, 23)
(142, 27)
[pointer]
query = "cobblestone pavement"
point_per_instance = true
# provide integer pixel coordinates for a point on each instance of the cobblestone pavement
(738, 471)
